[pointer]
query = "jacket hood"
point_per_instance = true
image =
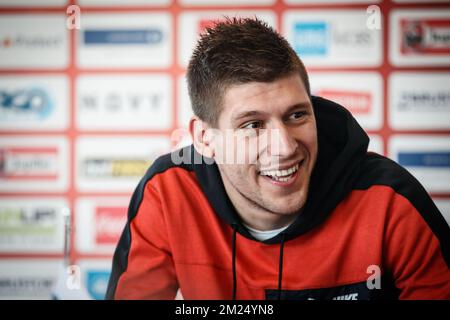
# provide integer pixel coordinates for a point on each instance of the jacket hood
(342, 146)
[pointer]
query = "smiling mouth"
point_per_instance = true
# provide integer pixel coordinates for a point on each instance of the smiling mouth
(281, 175)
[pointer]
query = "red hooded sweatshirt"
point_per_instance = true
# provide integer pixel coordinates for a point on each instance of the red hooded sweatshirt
(368, 230)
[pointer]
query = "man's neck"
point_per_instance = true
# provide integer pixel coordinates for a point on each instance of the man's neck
(254, 215)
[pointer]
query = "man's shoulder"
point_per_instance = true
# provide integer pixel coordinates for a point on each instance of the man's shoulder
(173, 160)
(379, 170)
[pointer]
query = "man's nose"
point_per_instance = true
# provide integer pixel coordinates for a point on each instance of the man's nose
(282, 142)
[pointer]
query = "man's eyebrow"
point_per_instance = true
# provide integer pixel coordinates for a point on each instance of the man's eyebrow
(245, 114)
(253, 113)
(301, 105)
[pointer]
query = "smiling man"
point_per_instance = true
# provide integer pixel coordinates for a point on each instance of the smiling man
(268, 193)
(286, 203)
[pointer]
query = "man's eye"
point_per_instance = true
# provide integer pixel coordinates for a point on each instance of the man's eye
(252, 125)
(297, 115)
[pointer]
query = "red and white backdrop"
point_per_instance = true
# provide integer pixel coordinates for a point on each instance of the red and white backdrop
(83, 112)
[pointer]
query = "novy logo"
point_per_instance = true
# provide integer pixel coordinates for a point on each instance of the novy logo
(114, 102)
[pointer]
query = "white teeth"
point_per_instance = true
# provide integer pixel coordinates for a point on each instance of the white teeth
(280, 173)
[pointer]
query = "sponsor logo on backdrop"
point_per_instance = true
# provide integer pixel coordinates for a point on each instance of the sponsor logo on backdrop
(96, 3)
(315, 38)
(27, 278)
(415, 1)
(97, 283)
(26, 286)
(114, 167)
(35, 3)
(135, 40)
(116, 163)
(30, 42)
(424, 96)
(329, 1)
(109, 223)
(359, 92)
(100, 222)
(419, 37)
(31, 102)
(31, 163)
(435, 159)
(27, 103)
(311, 38)
(123, 37)
(426, 157)
(226, 2)
(333, 37)
(412, 100)
(356, 38)
(116, 102)
(124, 102)
(42, 220)
(355, 101)
(425, 36)
(33, 41)
(30, 225)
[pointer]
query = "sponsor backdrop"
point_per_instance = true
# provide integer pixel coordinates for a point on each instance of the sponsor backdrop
(84, 112)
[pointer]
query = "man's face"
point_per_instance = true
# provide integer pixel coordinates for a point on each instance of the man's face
(275, 178)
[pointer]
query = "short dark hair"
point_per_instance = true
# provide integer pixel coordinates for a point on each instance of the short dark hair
(237, 51)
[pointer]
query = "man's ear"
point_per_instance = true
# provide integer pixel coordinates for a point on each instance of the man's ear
(202, 137)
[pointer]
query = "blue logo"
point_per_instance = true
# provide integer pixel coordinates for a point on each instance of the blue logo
(311, 38)
(25, 102)
(424, 159)
(123, 37)
(97, 283)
